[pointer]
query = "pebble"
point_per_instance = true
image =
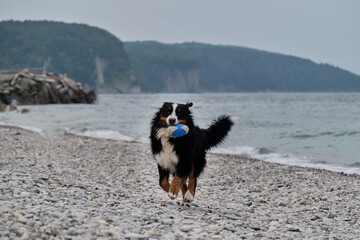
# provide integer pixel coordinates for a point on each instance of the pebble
(15, 228)
(154, 233)
(84, 188)
(293, 228)
(256, 228)
(315, 218)
(132, 236)
(186, 228)
(72, 231)
(22, 220)
(231, 229)
(5, 233)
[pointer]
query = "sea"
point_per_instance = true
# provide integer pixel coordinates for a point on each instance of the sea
(320, 130)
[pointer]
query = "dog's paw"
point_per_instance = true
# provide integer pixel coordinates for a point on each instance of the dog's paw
(187, 204)
(172, 195)
(188, 197)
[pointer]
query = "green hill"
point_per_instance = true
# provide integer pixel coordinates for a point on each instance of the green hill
(87, 54)
(96, 58)
(196, 67)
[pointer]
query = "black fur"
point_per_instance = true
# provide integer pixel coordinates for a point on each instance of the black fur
(191, 148)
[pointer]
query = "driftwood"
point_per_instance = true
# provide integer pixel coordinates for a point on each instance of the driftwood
(33, 86)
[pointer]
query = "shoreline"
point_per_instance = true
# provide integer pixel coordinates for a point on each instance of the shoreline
(65, 186)
(239, 156)
(132, 140)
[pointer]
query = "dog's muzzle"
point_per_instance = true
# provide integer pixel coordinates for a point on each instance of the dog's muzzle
(172, 121)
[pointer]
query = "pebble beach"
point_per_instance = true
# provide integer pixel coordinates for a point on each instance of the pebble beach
(62, 186)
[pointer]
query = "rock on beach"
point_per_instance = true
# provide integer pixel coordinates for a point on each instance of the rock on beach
(69, 187)
(33, 86)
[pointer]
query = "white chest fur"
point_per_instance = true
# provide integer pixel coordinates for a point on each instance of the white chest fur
(167, 157)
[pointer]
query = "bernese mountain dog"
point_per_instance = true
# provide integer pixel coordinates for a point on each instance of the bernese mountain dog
(183, 157)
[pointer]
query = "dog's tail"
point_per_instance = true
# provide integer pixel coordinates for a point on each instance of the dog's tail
(218, 131)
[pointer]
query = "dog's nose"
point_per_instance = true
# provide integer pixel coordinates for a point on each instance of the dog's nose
(172, 121)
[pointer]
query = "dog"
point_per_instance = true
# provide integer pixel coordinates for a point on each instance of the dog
(183, 157)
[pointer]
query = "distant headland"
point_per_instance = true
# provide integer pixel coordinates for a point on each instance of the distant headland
(98, 59)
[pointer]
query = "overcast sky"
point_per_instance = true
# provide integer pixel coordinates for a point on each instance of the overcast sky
(325, 31)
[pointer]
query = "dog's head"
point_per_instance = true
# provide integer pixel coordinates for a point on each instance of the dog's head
(175, 113)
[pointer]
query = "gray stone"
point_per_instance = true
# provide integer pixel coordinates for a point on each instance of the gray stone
(293, 228)
(22, 220)
(72, 231)
(5, 233)
(231, 229)
(88, 175)
(135, 236)
(187, 228)
(256, 228)
(15, 228)
(316, 217)
(30, 223)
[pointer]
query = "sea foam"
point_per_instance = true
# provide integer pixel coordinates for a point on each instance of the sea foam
(103, 134)
(283, 158)
(28, 128)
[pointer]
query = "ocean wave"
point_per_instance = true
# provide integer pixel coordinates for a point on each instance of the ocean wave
(355, 164)
(268, 155)
(332, 134)
(143, 139)
(103, 134)
(28, 128)
(260, 153)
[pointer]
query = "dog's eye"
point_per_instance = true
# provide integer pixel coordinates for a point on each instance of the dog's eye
(177, 110)
(168, 110)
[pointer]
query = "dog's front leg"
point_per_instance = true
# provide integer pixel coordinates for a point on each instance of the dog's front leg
(184, 187)
(190, 193)
(175, 186)
(164, 179)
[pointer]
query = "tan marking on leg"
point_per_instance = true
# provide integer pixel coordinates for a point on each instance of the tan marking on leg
(165, 184)
(184, 186)
(175, 187)
(191, 185)
(190, 193)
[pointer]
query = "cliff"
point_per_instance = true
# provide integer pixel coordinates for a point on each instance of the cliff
(91, 55)
(231, 69)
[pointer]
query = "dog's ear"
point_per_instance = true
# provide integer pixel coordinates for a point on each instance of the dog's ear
(167, 104)
(189, 104)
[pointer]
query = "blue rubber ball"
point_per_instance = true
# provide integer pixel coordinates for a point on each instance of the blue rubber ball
(179, 132)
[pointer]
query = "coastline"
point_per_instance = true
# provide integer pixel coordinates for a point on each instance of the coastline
(82, 187)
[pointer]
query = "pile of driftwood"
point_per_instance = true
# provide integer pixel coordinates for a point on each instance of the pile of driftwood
(34, 86)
